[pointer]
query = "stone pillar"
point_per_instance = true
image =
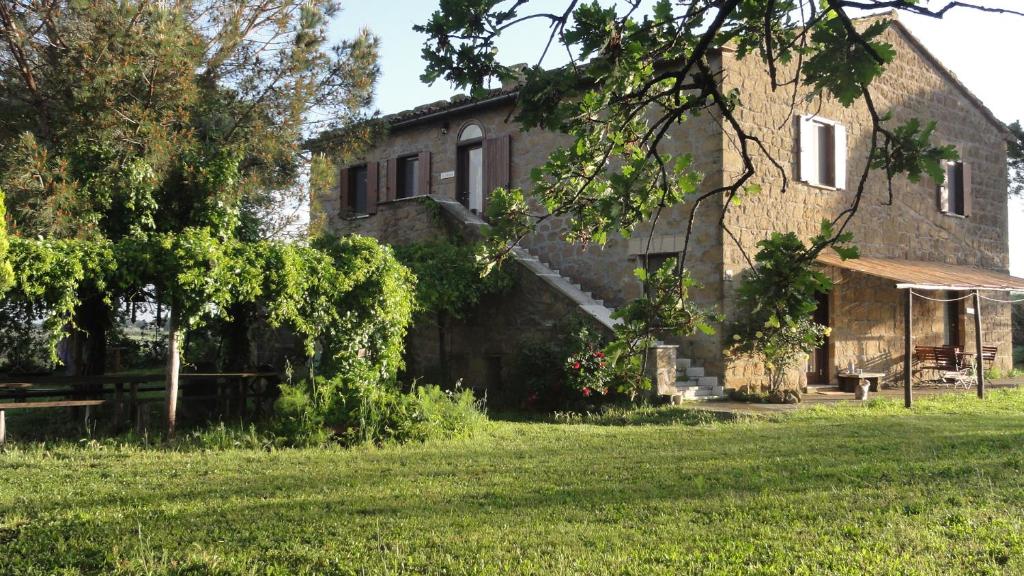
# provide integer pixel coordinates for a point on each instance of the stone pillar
(661, 369)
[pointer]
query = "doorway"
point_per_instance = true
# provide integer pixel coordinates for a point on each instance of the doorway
(818, 368)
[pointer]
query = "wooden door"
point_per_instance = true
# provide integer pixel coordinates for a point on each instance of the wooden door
(818, 368)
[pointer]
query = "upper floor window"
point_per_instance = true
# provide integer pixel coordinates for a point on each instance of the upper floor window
(357, 186)
(822, 152)
(408, 177)
(652, 263)
(471, 132)
(955, 192)
(470, 168)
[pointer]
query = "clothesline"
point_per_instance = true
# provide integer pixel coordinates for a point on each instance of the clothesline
(919, 295)
(988, 298)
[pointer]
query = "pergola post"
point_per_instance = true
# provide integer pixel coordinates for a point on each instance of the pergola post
(908, 322)
(980, 369)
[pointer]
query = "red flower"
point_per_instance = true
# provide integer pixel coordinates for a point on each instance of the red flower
(586, 391)
(576, 365)
(599, 354)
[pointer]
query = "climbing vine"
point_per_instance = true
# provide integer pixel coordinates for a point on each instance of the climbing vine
(347, 297)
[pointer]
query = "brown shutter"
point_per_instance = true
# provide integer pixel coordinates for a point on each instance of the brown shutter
(343, 191)
(391, 189)
(968, 192)
(497, 165)
(372, 187)
(423, 165)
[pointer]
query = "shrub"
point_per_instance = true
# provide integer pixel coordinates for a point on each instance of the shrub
(297, 422)
(544, 376)
(587, 370)
(360, 411)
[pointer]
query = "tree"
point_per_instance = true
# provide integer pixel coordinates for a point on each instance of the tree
(125, 119)
(1015, 153)
(637, 69)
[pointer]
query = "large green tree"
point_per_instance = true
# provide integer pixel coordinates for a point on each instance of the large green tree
(638, 68)
(132, 118)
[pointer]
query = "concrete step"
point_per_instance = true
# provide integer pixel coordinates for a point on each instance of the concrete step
(677, 399)
(694, 372)
(708, 381)
(683, 363)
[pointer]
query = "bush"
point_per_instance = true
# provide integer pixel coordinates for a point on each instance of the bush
(358, 411)
(545, 376)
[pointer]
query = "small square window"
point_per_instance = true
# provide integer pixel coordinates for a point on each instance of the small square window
(822, 152)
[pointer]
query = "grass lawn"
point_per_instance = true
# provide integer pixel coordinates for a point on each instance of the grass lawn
(849, 490)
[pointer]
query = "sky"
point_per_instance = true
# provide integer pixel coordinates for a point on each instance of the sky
(980, 48)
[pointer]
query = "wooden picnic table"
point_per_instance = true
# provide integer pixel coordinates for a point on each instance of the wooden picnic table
(4, 407)
(233, 389)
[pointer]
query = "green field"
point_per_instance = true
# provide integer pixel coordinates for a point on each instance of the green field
(849, 490)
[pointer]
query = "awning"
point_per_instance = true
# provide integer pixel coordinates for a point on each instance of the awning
(928, 275)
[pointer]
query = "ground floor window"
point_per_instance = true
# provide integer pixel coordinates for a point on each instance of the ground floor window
(357, 189)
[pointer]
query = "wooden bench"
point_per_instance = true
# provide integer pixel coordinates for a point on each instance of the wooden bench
(87, 404)
(941, 358)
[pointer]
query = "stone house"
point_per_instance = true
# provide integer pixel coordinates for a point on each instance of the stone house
(430, 178)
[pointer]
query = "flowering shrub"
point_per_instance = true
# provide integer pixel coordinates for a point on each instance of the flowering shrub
(588, 371)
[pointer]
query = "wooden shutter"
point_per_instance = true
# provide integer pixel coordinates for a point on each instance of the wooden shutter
(423, 177)
(840, 152)
(808, 141)
(372, 187)
(968, 192)
(343, 191)
(391, 188)
(497, 164)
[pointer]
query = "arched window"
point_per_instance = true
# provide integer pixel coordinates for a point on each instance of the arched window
(471, 132)
(470, 168)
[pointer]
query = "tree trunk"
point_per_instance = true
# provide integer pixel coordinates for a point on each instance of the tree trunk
(93, 319)
(238, 345)
(173, 365)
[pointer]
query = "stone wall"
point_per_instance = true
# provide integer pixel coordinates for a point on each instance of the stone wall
(867, 314)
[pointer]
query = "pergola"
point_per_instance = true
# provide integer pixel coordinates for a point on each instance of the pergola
(910, 275)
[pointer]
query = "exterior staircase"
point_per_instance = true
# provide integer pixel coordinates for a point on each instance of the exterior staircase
(690, 381)
(692, 384)
(590, 306)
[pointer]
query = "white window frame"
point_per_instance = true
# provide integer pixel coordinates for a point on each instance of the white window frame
(809, 148)
(946, 194)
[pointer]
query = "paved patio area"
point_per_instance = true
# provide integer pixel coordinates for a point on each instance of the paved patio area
(818, 395)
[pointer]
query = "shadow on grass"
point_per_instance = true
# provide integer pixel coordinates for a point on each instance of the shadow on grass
(613, 415)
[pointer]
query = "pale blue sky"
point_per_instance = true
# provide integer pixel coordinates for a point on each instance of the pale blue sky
(981, 49)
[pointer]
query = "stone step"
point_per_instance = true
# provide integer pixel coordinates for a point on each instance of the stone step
(709, 381)
(683, 363)
(694, 372)
(681, 398)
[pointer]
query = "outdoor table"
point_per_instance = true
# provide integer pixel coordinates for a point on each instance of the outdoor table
(848, 381)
